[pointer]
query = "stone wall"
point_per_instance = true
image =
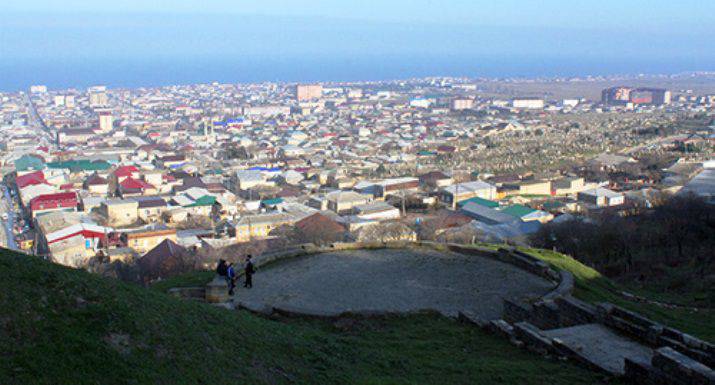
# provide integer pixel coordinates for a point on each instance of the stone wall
(669, 367)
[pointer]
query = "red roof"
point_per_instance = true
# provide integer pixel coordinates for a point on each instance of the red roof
(125, 170)
(33, 178)
(135, 184)
(53, 201)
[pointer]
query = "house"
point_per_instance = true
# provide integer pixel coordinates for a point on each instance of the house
(151, 208)
(70, 239)
(462, 191)
(487, 215)
(342, 202)
(164, 260)
(120, 212)
(43, 204)
(134, 187)
(567, 186)
(527, 214)
(96, 185)
(377, 210)
(260, 225)
(532, 187)
(436, 179)
(601, 197)
(395, 186)
(143, 240)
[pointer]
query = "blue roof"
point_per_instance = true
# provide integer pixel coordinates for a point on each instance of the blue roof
(257, 168)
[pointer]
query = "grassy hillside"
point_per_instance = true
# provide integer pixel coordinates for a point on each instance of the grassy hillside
(65, 326)
(593, 287)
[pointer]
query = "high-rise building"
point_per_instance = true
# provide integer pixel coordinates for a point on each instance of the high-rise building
(69, 101)
(305, 92)
(462, 104)
(623, 95)
(38, 89)
(98, 99)
(528, 103)
(106, 121)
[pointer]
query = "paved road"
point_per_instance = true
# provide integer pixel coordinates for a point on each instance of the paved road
(393, 280)
(8, 207)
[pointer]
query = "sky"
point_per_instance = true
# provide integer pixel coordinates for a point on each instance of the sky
(134, 41)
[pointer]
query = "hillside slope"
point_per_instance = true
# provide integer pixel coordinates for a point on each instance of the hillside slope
(65, 326)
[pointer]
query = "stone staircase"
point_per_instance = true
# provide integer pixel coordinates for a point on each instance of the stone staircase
(605, 338)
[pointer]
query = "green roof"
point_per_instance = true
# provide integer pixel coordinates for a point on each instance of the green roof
(206, 200)
(518, 211)
(479, 201)
(81, 165)
(272, 202)
(29, 162)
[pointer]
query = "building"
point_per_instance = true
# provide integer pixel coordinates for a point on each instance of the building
(460, 104)
(307, 92)
(436, 179)
(106, 121)
(260, 226)
(380, 211)
(46, 203)
(343, 202)
(528, 103)
(144, 240)
(615, 96)
(462, 191)
(601, 197)
(395, 186)
(70, 239)
(120, 212)
(98, 99)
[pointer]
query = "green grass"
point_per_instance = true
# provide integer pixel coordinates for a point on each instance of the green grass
(592, 287)
(66, 326)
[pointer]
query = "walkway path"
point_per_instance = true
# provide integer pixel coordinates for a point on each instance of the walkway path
(393, 280)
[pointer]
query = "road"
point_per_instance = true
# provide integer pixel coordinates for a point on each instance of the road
(34, 118)
(8, 208)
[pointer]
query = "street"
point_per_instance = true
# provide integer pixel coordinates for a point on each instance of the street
(8, 207)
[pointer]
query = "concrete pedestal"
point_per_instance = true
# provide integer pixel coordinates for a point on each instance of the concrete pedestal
(217, 290)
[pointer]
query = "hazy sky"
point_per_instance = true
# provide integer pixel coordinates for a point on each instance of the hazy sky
(564, 36)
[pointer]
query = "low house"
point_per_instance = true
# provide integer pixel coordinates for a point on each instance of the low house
(150, 209)
(601, 197)
(164, 260)
(70, 239)
(96, 185)
(487, 215)
(527, 214)
(436, 179)
(377, 210)
(463, 191)
(342, 202)
(120, 212)
(43, 204)
(135, 187)
(260, 226)
(143, 240)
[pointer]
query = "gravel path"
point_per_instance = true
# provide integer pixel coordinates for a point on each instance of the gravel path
(393, 280)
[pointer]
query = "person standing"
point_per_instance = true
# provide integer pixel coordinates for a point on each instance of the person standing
(248, 272)
(231, 276)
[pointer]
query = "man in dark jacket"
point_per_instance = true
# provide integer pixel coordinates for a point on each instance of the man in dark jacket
(249, 270)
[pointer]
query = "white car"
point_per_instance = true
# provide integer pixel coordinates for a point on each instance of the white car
(4, 216)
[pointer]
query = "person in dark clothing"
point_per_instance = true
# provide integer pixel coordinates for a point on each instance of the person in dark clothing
(231, 277)
(221, 268)
(248, 271)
